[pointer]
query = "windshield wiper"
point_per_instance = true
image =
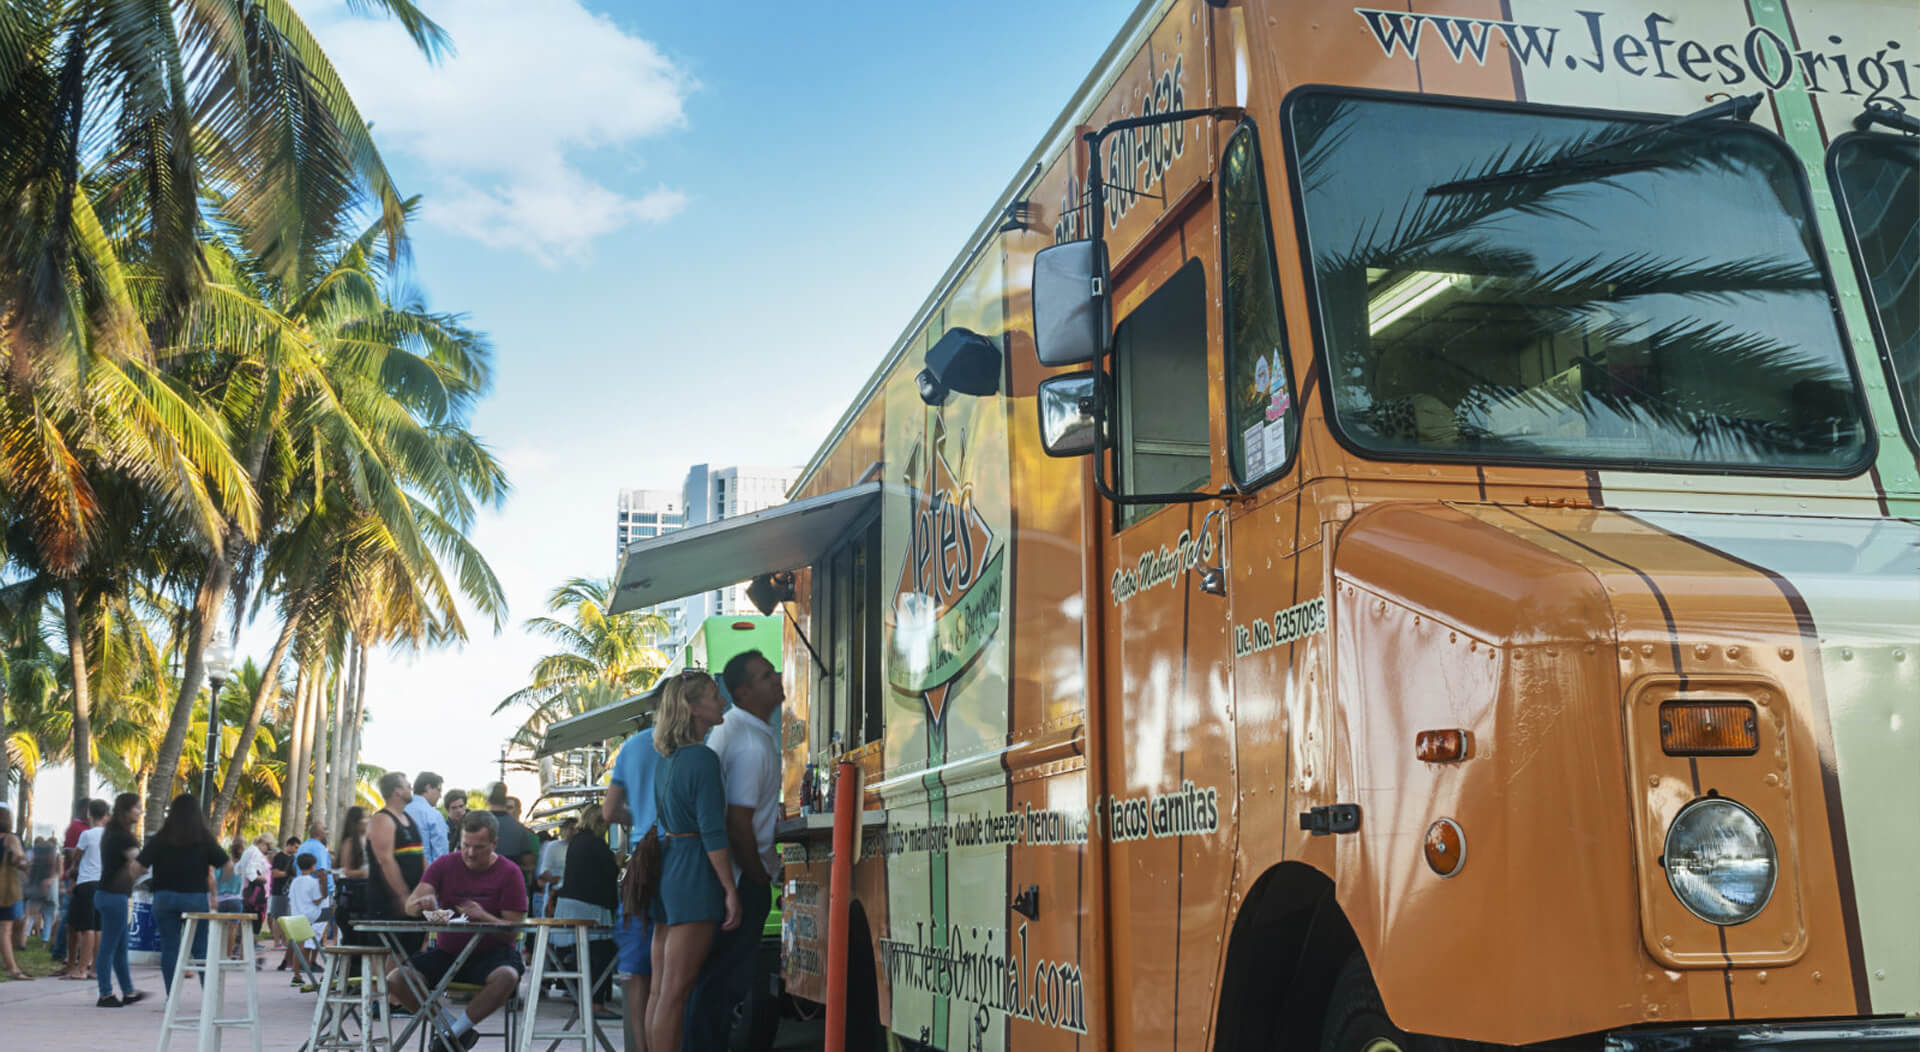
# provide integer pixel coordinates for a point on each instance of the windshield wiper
(1738, 108)
(1887, 116)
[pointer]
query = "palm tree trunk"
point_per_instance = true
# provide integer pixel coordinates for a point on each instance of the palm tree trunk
(322, 748)
(82, 694)
(201, 624)
(343, 771)
(5, 737)
(313, 747)
(243, 749)
(337, 731)
(293, 793)
(359, 720)
(25, 810)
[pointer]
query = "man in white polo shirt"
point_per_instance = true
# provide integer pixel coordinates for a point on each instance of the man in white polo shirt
(748, 744)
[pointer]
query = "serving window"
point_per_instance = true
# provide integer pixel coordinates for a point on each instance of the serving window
(847, 608)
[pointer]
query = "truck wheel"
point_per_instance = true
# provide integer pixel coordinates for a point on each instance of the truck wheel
(864, 1030)
(756, 1019)
(1357, 1021)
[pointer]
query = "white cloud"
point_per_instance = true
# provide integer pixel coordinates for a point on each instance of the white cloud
(503, 123)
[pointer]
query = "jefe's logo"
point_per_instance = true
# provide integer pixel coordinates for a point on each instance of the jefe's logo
(946, 606)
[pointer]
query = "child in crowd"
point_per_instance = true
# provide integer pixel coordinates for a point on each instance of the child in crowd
(307, 898)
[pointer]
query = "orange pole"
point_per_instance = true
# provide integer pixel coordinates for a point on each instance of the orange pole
(846, 812)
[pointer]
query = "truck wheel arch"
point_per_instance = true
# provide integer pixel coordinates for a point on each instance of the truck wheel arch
(1288, 942)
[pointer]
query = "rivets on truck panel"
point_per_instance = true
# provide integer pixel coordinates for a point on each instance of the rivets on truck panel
(1786, 653)
(1646, 650)
(1701, 650)
(1733, 653)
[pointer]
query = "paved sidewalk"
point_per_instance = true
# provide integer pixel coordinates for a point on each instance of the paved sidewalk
(57, 1015)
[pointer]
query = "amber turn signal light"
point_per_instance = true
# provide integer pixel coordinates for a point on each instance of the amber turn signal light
(1450, 746)
(1709, 728)
(1446, 847)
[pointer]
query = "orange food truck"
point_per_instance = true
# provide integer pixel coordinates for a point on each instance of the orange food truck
(1401, 529)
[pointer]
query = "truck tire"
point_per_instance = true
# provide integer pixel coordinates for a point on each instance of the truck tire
(756, 1019)
(865, 1033)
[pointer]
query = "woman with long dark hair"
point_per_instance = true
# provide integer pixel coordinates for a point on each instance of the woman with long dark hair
(350, 877)
(113, 900)
(185, 858)
(696, 895)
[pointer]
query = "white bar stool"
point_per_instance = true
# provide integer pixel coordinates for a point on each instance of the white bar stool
(342, 999)
(213, 973)
(579, 979)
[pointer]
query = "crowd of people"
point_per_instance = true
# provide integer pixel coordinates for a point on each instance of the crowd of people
(698, 793)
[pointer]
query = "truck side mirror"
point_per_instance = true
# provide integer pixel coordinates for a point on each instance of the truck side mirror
(1069, 414)
(1070, 302)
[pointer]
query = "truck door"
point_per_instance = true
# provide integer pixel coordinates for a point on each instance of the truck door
(1169, 748)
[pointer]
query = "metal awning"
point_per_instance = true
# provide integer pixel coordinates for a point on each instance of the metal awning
(718, 554)
(597, 725)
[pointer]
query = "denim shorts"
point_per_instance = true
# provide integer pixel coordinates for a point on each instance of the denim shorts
(633, 938)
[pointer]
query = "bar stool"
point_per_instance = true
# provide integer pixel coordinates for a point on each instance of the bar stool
(579, 978)
(343, 998)
(213, 973)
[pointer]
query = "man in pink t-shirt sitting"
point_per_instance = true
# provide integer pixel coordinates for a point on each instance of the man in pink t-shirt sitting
(484, 888)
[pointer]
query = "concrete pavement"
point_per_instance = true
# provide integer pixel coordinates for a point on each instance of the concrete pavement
(57, 1015)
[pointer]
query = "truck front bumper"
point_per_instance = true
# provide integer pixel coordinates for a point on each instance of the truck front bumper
(1841, 1035)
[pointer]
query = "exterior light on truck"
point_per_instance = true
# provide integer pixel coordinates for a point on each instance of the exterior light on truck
(1709, 728)
(1720, 861)
(1448, 746)
(1446, 847)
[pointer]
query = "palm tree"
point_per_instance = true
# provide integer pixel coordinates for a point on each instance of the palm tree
(345, 384)
(228, 100)
(603, 658)
(171, 121)
(253, 748)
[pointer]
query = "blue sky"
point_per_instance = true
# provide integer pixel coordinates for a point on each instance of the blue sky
(691, 231)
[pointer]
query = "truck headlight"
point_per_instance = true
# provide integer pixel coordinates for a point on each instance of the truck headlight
(1720, 861)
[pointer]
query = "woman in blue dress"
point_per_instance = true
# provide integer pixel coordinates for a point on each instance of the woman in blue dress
(696, 890)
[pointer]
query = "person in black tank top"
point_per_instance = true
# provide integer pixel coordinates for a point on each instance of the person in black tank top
(399, 853)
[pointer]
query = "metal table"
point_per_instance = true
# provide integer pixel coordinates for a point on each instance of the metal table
(432, 1001)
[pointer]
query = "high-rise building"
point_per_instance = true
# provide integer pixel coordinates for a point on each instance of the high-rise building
(710, 494)
(707, 495)
(645, 514)
(642, 515)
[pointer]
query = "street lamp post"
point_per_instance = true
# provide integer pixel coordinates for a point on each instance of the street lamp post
(219, 664)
